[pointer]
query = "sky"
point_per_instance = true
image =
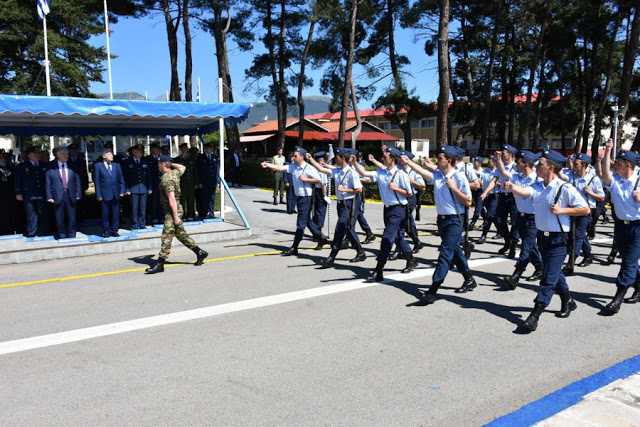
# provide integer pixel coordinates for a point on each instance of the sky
(142, 64)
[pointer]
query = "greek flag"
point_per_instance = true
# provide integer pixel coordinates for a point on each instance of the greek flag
(43, 8)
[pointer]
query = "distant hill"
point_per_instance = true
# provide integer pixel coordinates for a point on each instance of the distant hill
(124, 95)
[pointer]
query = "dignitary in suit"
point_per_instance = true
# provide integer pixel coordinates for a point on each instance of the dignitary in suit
(188, 182)
(137, 180)
(64, 189)
(30, 183)
(155, 208)
(208, 168)
(110, 188)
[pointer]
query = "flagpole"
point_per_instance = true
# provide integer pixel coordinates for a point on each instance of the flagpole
(106, 26)
(47, 70)
(221, 146)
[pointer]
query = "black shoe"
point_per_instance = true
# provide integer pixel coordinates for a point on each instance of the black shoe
(635, 297)
(275, 202)
(370, 238)
(505, 248)
(115, 234)
(586, 261)
(468, 285)
(610, 260)
(568, 305)
(361, 256)
(614, 306)
(472, 224)
(532, 321)
(482, 239)
(417, 216)
(201, 254)
(429, 297)
(157, 268)
(512, 280)
(321, 242)
(375, 276)
(411, 264)
(512, 250)
(105, 235)
(568, 271)
(290, 251)
(282, 202)
(328, 262)
(537, 275)
(417, 247)
(393, 256)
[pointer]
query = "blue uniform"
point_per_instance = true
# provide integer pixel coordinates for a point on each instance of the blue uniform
(551, 240)
(583, 223)
(319, 203)
(526, 224)
(490, 203)
(156, 212)
(138, 182)
(208, 167)
(506, 207)
(450, 211)
(303, 192)
(64, 196)
(411, 223)
(30, 180)
(348, 206)
(360, 197)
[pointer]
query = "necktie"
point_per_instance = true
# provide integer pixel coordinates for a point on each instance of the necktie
(64, 176)
(137, 161)
(109, 167)
(209, 156)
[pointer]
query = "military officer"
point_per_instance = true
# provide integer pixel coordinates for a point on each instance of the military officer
(30, 180)
(155, 208)
(452, 195)
(625, 198)
(395, 188)
(554, 202)
(173, 227)
(188, 182)
(320, 202)
(137, 179)
(477, 200)
(489, 197)
(208, 168)
(347, 185)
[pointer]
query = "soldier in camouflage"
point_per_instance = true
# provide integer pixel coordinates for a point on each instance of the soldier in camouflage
(170, 199)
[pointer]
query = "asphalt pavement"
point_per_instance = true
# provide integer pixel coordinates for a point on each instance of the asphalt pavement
(255, 338)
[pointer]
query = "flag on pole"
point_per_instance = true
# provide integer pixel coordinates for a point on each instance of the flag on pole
(331, 153)
(198, 95)
(43, 8)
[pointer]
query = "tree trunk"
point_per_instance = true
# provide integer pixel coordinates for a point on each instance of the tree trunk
(470, 125)
(443, 74)
(172, 36)
(348, 78)
(489, 82)
(303, 64)
(630, 55)
(356, 132)
(280, 85)
(188, 69)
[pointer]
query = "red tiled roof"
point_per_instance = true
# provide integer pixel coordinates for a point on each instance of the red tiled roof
(333, 136)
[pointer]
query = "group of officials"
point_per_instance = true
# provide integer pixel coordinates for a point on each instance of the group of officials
(551, 203)
(53, 192)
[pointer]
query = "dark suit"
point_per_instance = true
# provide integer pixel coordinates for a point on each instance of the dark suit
(236, 169)
(138, 182)
(188, 183)
(208, 169)
(109, 187)
(30, 182)
(79, 166)
(64, 199)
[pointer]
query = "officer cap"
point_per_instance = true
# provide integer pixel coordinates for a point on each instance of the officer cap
(528, 155)
(108, 145)
(448, 150)
(492, 157)
(72, 146)
(278, 148)
(510, 148)
(207, 144)
(31, 150)
(409, 154)
(394, 151)
(629, 156)
(301, 150)
(583, 157)
(194, 150)
(341, 151)
(184, 144)
(460, 151)
(164, 159)
(154, 145)
(554, 156)
(478, 159)
(319, 154)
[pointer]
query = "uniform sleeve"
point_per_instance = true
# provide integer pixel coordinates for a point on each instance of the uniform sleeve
(171, 183)
(403, 181)
(418, 178)
(572, 198)
(291, 167)
(596, 187)
(463, 184)
(355, 180)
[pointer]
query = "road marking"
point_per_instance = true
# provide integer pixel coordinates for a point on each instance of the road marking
(59, 338)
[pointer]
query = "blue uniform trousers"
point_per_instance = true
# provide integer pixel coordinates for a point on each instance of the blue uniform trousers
(411, 223)
(347, 215)
(110, 215)
(477, 211)
(553, 250)
(490, 205)
(394, 229)
(65, 212)
(450, 229)
(627, 240)
(208, 196)
(529, 252)
(582, 244)
(37, 213)
(506, 207)
(361, 219)
(319, 207)
(304, 219)
(138, 209)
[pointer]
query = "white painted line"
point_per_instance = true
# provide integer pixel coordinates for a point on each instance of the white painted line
(42, 341)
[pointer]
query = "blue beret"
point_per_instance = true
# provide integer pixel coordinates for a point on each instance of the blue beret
(554, 156)
(479, 159)
(409, 154)
(394, 151)
(165, 159)
(278, 148)
(510, 148)
(492, 157)
(301, 150)
(629, 156)
(319, 154)
(524, 154)
(583, 157)
(344, 151)
(448, 149)
(461, 152)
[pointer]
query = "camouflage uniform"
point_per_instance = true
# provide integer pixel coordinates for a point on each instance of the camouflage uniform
(170, 181)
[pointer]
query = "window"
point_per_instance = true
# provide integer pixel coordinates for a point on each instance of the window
(428, 123)
(415, 124)
(384, 125)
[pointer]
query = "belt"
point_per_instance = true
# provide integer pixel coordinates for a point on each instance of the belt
(392, 206)
(303, 196)
(527, 215)
(627, 222)
(551, 233)
(446, 216)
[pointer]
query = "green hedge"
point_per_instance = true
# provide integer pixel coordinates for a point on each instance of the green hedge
(253, 174)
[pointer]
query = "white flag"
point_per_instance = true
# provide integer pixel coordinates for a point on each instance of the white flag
(43, 8)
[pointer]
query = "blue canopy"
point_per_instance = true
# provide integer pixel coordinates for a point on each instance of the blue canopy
(53, 115)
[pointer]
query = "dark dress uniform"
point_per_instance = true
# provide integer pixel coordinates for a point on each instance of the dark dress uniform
(155, 208)
(208, 168)
(137, 180)
(30, 182)
(188, 183)
(79, 166)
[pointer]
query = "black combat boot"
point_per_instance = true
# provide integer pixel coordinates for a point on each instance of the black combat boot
(482, 238)
(537, 274)
(505, 248)
(369, 238)
(586, 261)
(375, 276)
(322, 240)
(411, 263)
(430, 296)
(293, 250)
(568, 305)
(472, 224)
(612, 256)
(614, 306)
(201, 254)
(567, 270)
(393, 255)
(469, 283)
(275, 200)
(328, 261)
(512, 249)
(157, 268)
(513, 280)
(532, 321)
(360, 256)
(417, 246)
(636, 294)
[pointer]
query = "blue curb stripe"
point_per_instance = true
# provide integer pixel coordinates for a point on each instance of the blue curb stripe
(568, 396)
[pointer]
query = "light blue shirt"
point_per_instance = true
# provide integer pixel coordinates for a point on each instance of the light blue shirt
(348, 178)
(414, 176)
(511, 169)
(303, 188)
(543, 197)
(626, 207)
(399, 177)
(446, 202)
(591, 181)
(467, 171)
(524, 205)
(487, 176)
(323, 181)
